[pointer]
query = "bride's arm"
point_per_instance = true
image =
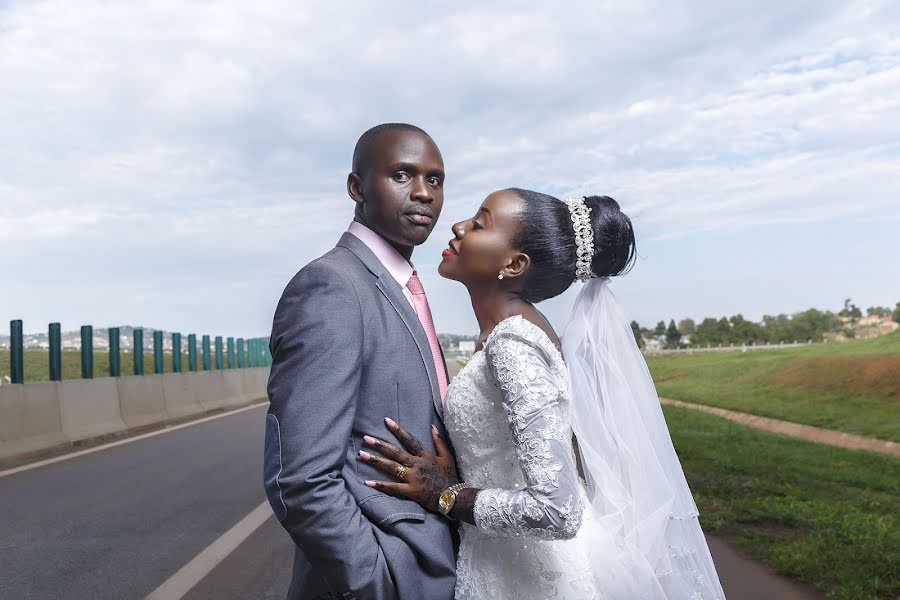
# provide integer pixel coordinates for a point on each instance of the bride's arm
(549, 506)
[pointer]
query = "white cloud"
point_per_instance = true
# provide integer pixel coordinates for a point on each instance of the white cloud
(214, 138)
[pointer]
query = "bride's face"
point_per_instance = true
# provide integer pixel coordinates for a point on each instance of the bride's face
(482, 246)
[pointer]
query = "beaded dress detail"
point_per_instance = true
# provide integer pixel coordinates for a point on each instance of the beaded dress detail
(507, 416)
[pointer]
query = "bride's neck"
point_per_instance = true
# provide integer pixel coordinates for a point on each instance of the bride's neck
(493, 306)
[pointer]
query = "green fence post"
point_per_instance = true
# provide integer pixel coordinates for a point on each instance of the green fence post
(138, 351)
(229, 344)
(206, 362)
(16, 352)
(240, 353)
(176, 352)
(253, 353)
(158, 352)
(192, 352)
(115, 364)
(219, 353)
(55, 352)
(268, 352)
(87, 352)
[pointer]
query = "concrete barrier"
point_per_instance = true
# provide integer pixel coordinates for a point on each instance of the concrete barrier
(254, 383)
(142, 400)
(40, 416)
(90, 408)
(212, 394)
(181, 394)
(29, 419)
(233, 382)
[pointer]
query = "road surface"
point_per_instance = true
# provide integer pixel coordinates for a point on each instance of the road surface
(163, 513)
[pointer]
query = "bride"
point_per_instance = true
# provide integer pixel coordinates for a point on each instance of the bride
(608, 517)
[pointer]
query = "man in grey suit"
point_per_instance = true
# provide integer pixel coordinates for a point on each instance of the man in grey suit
(352, 344)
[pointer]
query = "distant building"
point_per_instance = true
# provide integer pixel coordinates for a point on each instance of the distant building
(467, 346)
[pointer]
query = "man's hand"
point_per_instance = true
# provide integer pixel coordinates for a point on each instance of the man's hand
(423, 476)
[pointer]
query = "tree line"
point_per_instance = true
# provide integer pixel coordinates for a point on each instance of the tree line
(803, 326)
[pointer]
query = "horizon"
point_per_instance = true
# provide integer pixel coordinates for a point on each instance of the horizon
(645, 325)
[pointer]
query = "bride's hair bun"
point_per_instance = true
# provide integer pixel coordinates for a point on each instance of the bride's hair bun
(614, 243)
(547, 236)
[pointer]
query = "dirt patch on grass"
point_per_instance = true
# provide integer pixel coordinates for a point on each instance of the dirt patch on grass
(876, 375)
(774, 529)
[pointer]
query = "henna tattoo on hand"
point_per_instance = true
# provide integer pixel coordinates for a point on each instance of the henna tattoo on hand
(435, 478)
(412, 445)
(428, 475)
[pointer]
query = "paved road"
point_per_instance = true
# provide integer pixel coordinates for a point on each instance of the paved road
(117, 523)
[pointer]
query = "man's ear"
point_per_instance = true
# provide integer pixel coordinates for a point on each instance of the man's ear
(354, 188)
(518, 266)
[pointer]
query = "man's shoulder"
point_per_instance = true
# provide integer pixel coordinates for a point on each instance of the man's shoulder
(336, 259)
(338, 267)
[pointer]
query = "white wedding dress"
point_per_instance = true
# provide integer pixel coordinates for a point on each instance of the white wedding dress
(507, 414)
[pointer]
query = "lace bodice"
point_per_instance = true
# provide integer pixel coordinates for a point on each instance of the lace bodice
(507, 416)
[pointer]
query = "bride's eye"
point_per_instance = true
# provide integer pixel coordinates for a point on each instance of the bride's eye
(476, 225)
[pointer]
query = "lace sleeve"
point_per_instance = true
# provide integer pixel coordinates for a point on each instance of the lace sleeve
(549, 507)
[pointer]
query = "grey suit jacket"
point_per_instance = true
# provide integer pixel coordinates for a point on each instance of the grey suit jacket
(348, 351)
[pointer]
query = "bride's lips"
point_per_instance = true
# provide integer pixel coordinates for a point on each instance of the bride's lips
(450, 250)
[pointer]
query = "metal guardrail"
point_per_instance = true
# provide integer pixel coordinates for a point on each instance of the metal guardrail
(226, 351)
(732, 348)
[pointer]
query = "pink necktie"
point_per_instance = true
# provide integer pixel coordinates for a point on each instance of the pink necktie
(414, 285)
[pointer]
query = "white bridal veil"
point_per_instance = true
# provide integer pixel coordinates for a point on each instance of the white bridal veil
(645, 540)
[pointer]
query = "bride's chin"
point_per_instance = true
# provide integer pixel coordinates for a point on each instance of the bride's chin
(444, 272)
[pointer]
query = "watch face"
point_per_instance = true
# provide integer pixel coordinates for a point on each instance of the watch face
(445, 499)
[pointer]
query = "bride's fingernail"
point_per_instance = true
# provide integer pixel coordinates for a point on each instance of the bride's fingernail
(434, 429)
(390, 422)
(370, 483)
(369, 439)
(364, 455)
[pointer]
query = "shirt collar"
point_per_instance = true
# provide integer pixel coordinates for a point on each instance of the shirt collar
(399, 268)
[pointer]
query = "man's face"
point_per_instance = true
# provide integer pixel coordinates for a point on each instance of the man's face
(402, 189)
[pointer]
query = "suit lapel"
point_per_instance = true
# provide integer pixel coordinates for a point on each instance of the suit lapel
(394, 295)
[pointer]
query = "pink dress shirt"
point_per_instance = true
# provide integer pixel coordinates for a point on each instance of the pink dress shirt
(397, 266)
(402, 271)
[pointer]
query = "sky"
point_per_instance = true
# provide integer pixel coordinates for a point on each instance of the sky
(173, 164)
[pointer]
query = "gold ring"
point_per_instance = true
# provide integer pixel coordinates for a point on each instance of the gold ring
(401, 471)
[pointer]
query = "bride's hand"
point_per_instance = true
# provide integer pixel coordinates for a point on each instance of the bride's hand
(424, 475)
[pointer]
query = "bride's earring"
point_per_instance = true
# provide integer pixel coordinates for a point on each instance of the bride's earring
(500, 276)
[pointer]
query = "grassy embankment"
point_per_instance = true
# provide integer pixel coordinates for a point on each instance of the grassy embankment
(824, 515)
(37, 364)
(852, 386)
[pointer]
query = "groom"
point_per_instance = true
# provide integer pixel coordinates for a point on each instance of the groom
(353, 342)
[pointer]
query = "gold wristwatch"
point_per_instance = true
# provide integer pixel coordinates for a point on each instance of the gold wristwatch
(448, 498)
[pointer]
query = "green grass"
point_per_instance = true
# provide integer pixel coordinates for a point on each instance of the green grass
(852, 386)
(37, 364)
(824, 515)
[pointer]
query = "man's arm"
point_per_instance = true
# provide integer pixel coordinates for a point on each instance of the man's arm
(313, 388)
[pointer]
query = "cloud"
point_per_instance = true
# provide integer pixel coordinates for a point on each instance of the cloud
(214, 138)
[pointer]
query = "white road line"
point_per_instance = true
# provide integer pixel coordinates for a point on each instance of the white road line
(136, 438)
(179, 584)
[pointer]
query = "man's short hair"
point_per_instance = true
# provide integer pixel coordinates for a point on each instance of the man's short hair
(367, 139)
